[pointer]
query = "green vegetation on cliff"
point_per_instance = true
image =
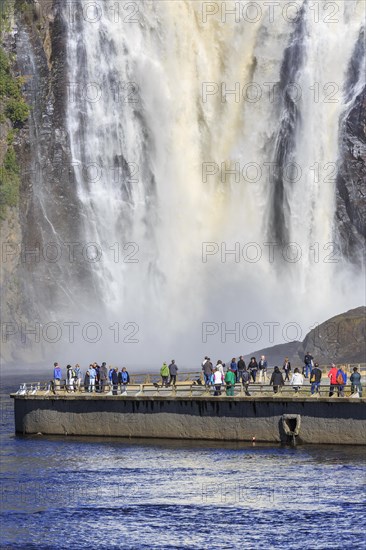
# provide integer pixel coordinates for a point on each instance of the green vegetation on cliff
(13, 108)
(9, 181)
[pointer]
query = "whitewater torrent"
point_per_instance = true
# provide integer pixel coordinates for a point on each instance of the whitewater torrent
(161, 94)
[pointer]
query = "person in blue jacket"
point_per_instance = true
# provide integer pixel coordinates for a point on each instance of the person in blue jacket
(234, 368)
(124, 379)
(315, 378)
(110, 372)
(57, 375)
(262, 366)
(341, 381)
(356, 382)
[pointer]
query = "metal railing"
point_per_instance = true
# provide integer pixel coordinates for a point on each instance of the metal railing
(181, 389)
(146, 379)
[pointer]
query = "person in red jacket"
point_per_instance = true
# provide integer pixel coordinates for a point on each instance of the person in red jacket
(332, 375)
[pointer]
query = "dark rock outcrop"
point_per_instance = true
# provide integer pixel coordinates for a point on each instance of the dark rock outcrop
(341, 339)
(351, 177)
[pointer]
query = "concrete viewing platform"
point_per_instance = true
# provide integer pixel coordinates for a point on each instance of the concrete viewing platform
(191, 411)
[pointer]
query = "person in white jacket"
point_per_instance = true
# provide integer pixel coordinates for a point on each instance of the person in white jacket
(220, 367)
(218, 380)
(297, 380)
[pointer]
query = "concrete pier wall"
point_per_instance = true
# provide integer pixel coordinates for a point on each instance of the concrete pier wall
(323, 420)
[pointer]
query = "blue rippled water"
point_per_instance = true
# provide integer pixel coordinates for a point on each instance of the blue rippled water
(68, 492)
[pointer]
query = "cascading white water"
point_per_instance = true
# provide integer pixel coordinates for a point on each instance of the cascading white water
(148, 118)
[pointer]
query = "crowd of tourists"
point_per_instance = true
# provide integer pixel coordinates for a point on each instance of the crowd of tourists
(99, 378)
(257, 372)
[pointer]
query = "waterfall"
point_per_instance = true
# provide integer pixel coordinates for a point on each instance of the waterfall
(164, 101)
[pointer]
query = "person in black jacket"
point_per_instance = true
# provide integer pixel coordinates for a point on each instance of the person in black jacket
(241, 366)
(245, 378)
(207, 371)
(115, 380)
(103, 377)
(87, 382)
(253, 367)
(307, 364)
(315, 377)
(287, 368)
(173, 369)
(276, 379)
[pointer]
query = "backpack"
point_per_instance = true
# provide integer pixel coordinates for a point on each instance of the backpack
(340, 379)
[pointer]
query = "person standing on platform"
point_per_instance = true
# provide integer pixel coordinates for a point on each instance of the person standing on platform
(87, 382)
(115, 381)
(332, 375)
(125, 379)
(262, 367)
(341, 381)
(103, 377)
(245, 378)
(230, 379)
(287, 368)
(92, 375)
(78, 377)
(241, 367)
(315, 377)
(276, 379)
(207, 371)
(164, 373)
(69, 379)
(110, 372)
(253, 367)
(97, 377)
(173, 369)
(220, 367)
(308, 363)
(57, 375)
(297, 380)
(355, 379)
(234, 368)
(218, 380)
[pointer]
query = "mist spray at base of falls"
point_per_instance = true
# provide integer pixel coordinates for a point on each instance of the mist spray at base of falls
(152, 155)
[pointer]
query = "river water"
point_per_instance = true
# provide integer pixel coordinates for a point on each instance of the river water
(71, 492)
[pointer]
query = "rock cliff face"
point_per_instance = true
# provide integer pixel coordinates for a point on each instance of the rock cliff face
(351, 178)
(47, 183)
(340, 339)
(33, 285)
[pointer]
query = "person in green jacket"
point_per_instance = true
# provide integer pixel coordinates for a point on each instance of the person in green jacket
(230, 380)
(164, 373)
